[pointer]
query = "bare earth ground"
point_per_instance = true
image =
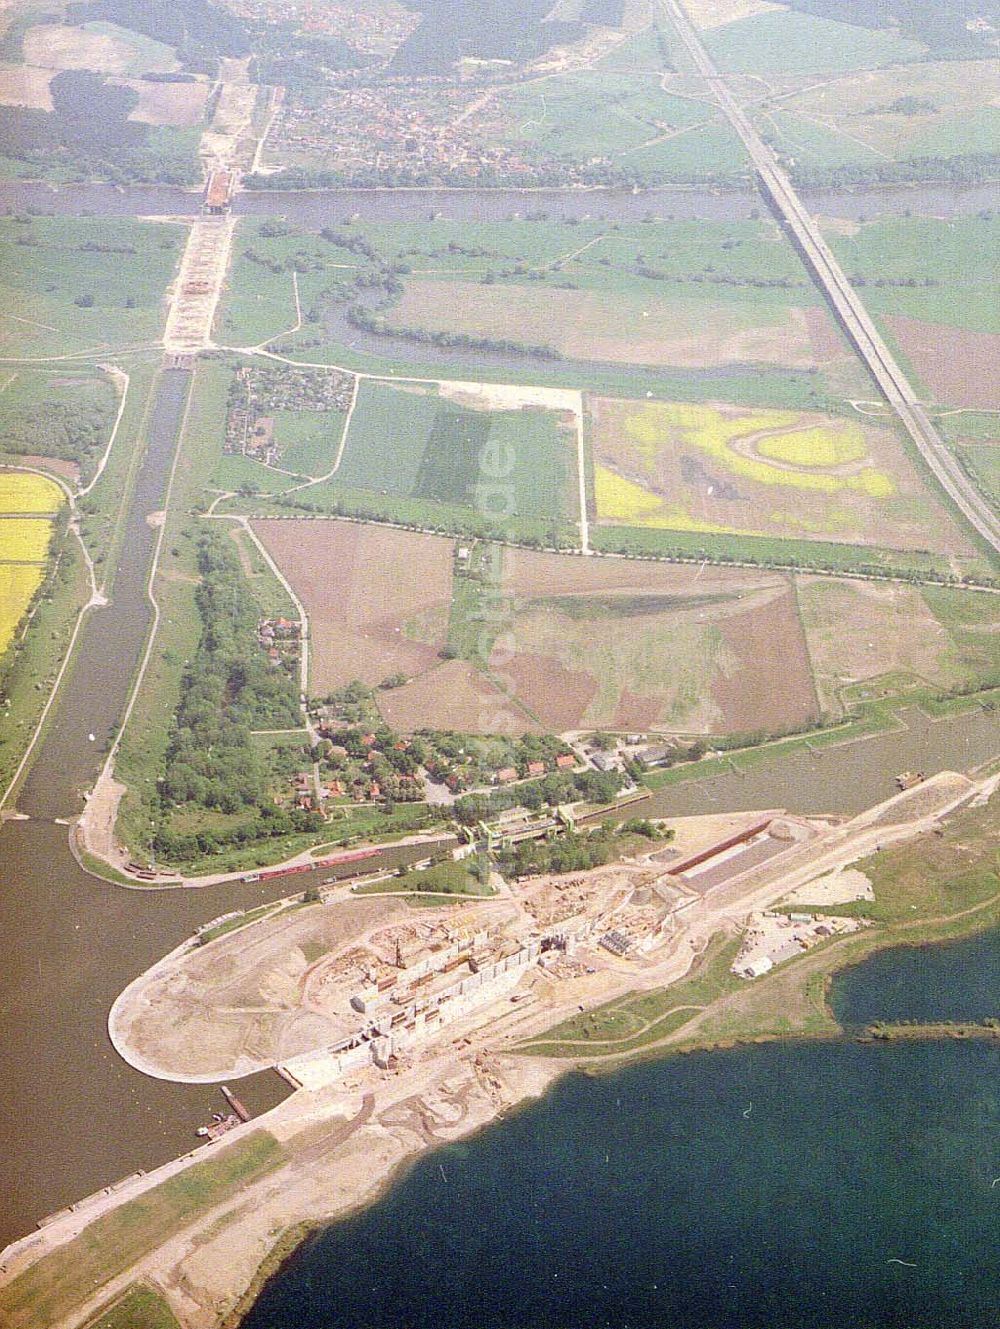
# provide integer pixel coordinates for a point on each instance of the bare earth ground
(181, 105)
(453, 695)
(360, 585)
(629, 644)
(627, 328)
(236, 1005)
(960, 368)
(53, 46)
(21, 86)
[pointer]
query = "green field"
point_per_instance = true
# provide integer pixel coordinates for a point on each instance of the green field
(941, 271)
(921, 109)
(137, 1308)
(588, 114)
(69, 285)
(62, 413)
(790, 43)
(415, 444)
(984, 462)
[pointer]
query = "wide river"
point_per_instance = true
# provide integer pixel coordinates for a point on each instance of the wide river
(75, 1117)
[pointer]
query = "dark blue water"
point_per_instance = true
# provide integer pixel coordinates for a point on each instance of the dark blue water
(958, 980)
(772, 1187)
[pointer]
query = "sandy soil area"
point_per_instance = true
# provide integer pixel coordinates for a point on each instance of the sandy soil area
(840, 887)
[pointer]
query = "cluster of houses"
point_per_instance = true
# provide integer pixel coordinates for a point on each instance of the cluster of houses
(371, 29)
(280, 639)
(387, 128)
(257, 395)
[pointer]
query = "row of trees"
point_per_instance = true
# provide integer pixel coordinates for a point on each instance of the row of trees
(572, 851)
(551, 790)
(227, 691)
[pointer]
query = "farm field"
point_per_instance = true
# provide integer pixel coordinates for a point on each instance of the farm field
(24, 543)
(104, 48)
(69, 285)
(653, 327)
(623, 644)
(179, 105)
(377, 598)
(724, 469)
(858, 631)
(910, 111)
(934, 287)
(955, 366)
(442, 445)
(927, 269)
(788, 42)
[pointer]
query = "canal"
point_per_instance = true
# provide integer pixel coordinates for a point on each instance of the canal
(77, 1118)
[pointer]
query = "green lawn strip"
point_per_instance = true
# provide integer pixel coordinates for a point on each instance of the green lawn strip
(234, 924)
(50, 1289)
(630, 1023)
(104, 509)
(442, 880)
(29, 666)
(141, 756)
(335, 500)
(139, 1307)
(820, 555)
(748, 387)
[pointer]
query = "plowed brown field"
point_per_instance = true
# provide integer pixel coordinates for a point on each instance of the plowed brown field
(361, 586)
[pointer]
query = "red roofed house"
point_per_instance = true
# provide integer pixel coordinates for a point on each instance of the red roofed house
(536, 767)
(565, 761)
(506, 775)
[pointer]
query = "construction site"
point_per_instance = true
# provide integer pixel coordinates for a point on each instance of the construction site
(329, 992)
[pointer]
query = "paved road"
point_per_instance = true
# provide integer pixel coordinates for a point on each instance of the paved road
(853, 315)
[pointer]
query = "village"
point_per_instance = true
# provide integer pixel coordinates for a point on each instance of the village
(259, 395)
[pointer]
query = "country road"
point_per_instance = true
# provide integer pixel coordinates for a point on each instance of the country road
(855, 318)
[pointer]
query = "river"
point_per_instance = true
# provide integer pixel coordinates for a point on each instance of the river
(75, 1117)
(815, 1185)
(325, 207)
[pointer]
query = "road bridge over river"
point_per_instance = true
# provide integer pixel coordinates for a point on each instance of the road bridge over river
(855, 318)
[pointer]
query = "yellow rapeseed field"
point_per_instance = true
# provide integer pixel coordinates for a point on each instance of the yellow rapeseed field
(816, 447)
(21, 492)
(806, 450)
(24, 539)
(18, 583)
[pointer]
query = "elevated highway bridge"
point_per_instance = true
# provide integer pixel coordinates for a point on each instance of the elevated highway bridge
(856, 320)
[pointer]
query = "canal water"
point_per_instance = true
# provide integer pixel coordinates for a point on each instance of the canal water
(784, 1186)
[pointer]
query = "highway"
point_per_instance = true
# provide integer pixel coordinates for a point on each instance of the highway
(852, 313)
